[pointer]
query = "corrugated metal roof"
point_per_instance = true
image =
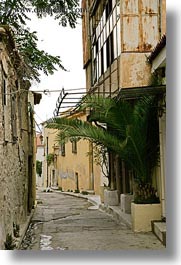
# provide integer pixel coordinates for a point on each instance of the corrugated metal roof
(137, 92)
(161, 44)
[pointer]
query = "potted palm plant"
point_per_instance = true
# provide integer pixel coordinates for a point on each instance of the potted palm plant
(143, 152)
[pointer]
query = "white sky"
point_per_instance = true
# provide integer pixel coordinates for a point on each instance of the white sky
(67, 43)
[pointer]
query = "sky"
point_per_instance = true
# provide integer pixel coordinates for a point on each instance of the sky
(67, 43)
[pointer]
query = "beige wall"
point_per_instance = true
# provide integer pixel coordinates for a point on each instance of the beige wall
(71, 166)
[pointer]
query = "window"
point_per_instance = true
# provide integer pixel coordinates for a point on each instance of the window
(62, 146)
(111, 47)
(74, 147)
(106, 42)
(4, 92)
(104, 57)
(115, 42)
(108, 8)
(107, 53)
(102, 61)
(97, 47)
(77, 180)
(94, 71)
(99, 64)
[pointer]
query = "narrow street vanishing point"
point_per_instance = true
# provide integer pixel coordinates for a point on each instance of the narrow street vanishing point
(64, 222)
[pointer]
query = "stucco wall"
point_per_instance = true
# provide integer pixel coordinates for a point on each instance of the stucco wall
(71, 167)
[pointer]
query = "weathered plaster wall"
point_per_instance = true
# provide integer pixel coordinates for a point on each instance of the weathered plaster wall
(134, 70)
(14, 146)
(72, 166)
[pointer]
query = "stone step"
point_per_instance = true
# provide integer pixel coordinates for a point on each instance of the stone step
(159, 229)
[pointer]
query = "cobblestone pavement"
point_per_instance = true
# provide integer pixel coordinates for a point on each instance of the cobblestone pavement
(63, 222)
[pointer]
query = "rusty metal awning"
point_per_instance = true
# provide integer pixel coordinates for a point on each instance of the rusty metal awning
(69, 100)
(137, 92)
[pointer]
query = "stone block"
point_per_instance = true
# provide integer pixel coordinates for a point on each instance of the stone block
(143, 214)
(111, 198)
(126, 200)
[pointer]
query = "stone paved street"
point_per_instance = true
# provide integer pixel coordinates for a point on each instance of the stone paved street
(63, 222)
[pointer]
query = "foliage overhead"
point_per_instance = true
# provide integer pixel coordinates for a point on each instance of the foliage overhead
(17, 13)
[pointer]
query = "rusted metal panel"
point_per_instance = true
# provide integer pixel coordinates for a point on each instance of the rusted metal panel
(150, 32)
(140, 25)
(130, 7)
(85, 34)
(150, 6)
(130, 33)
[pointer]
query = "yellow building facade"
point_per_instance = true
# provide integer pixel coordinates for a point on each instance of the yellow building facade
(73, 167)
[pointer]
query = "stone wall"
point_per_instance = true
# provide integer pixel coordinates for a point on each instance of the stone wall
(15, 147)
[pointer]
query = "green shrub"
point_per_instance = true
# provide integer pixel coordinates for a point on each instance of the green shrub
(39, 168)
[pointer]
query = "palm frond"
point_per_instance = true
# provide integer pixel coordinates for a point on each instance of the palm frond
(71, 129)
(116, 114)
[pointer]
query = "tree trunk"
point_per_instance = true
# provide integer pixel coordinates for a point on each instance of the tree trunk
(111, 171)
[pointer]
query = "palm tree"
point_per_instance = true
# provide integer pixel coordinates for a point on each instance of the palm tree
(132, 132)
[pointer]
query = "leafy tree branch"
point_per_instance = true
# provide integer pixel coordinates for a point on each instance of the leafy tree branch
(16, 15)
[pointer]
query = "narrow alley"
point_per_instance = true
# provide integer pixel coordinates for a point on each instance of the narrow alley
(64, 222)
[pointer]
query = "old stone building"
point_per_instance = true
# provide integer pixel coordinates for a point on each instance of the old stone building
(17, 167)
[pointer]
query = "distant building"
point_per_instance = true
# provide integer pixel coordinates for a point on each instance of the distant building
(72, 166)
(17, 160)
(39, 157)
